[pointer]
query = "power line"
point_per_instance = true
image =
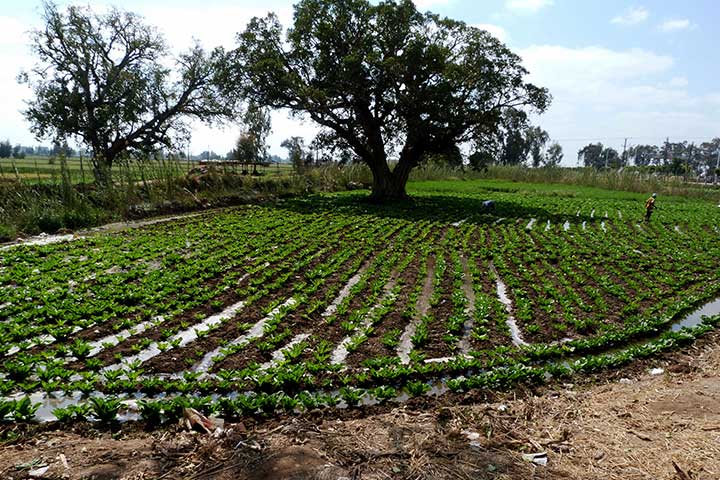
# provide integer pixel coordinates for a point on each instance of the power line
(589, 139)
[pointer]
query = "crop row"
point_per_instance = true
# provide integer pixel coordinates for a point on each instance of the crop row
(296, 301)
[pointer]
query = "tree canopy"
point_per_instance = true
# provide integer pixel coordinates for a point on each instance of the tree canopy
(597, 156)
(105, 80)
(5, 149)
(554, 155)
(389, 81)
(513, 141)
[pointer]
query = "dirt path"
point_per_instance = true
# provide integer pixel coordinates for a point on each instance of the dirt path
(45, 239)
(628, 425)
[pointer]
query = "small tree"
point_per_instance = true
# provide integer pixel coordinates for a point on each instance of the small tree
(5, 149)
(554, 155)
(597, 156)
(512, 138)
(592, 155)
(537, 138)
(245, 150)
(102, 79)
(296, 152)
(644, 155)
(331, 148)
(480, 160)
(513, 141)
(61, 149)
(18, 152)
(251, 145)
(451, 157)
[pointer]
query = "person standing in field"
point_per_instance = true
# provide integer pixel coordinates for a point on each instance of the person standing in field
(649, 206)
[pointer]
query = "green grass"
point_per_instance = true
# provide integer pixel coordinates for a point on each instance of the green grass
(47, 169)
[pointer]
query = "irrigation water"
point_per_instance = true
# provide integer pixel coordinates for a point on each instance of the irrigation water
(48, 402)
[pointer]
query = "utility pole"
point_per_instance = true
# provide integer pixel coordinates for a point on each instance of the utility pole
(717, 165)
(623, 161)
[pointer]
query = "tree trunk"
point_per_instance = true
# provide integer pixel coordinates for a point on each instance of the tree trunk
(389, 185)
(102, 169)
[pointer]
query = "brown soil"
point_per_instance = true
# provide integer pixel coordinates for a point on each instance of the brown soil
(296, 320)
(175, 360)
(619, 428)
(436, 346)
(334, 333)
(373, 346)
(496, 336)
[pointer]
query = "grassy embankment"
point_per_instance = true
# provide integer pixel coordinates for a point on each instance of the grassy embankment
(39, 196)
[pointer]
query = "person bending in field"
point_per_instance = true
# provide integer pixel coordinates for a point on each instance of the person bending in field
(649, 206)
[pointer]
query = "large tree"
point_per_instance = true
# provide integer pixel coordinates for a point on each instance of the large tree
(644, 155)
(390, 81)
(106, 81)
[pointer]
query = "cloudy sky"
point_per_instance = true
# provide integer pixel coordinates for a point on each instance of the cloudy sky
(616, 69)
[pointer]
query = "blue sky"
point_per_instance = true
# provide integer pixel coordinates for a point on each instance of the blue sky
(616, 69)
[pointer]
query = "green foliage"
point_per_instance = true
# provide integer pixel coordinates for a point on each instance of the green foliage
(24, 409)
(338, 53)
(251, 145)
(124, 63)
(587, 299)
(5, 149)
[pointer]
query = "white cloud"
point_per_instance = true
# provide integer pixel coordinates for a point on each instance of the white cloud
(580, 67)
(675, 25)
(713, 98)
(604, 95)
(217, 26)
(221, 140)
(15, 56)
(603, 80)
(631, 16)
(678, 82)
(12, 32)
(495, 30)
(211, 25)
(527, 6)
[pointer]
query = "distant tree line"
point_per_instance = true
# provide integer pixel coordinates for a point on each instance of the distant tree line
(7, 150)
(673, 158)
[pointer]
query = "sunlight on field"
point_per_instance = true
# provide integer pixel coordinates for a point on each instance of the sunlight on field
(328, 299)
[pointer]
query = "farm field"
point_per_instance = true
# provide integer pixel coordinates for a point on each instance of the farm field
(327, 301)
(40, 170)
